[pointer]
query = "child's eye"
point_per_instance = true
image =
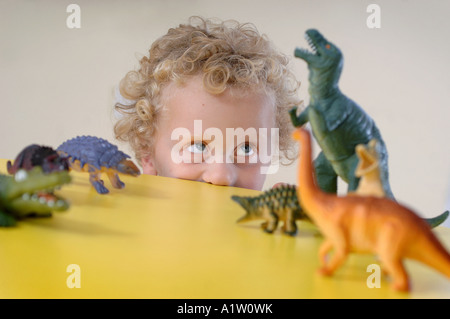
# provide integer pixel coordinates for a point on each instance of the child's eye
(245, 150)
(197, 147)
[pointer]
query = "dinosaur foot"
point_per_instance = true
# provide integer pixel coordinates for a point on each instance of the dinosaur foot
(6, 220)
(325, 271)
(290, 232)
(268, 228)
(294, 118)
(100, 187)
(289, 229)
(115, 181)
(401, 286)
(119, 185)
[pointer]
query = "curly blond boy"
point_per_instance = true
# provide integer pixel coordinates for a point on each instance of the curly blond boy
(226, 57)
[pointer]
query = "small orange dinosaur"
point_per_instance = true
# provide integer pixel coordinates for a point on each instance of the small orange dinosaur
(366, 224)
(368, 170)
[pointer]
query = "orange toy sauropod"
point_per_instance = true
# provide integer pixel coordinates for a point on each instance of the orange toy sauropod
(366, 224)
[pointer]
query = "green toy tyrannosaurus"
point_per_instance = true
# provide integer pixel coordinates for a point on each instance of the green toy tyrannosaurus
(338, 123)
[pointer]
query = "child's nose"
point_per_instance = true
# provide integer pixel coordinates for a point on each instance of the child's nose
(220, 174)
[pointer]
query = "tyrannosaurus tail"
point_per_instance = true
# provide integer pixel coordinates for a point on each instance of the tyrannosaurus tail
(436, 221)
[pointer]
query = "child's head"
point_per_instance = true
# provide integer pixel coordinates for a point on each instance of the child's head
(200, 82)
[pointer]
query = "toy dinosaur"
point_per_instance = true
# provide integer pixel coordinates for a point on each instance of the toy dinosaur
(95, 156)
(366, 224)
(274, 205)
(37, 155)
(30, 193)
(337, 122)
(281, 203)
(368, 170)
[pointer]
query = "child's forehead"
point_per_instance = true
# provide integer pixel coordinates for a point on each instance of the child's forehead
(194, 83)
(236, 107)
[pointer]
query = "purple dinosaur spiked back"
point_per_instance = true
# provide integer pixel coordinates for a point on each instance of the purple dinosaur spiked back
(96, 155)
(92, 150)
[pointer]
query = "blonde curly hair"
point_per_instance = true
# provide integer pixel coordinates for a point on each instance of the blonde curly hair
(227, 55)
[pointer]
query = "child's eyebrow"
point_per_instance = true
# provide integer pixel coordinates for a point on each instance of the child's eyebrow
(210, 138)
(197, 138)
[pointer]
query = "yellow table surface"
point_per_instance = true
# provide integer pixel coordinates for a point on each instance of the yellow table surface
(167, 238)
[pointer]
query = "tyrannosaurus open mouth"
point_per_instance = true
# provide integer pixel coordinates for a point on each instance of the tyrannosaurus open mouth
(322, 54)
(312, 45)
(315, 41)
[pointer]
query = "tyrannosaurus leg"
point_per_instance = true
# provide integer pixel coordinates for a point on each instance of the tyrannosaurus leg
(326, 176)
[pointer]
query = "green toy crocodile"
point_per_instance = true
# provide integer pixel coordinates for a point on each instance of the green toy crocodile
(338, 123)
(30, 193)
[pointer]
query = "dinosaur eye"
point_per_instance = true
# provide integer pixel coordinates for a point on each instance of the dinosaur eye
(328, 46)
(21, 175)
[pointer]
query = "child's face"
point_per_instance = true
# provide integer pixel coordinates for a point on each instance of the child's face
(201, 150)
